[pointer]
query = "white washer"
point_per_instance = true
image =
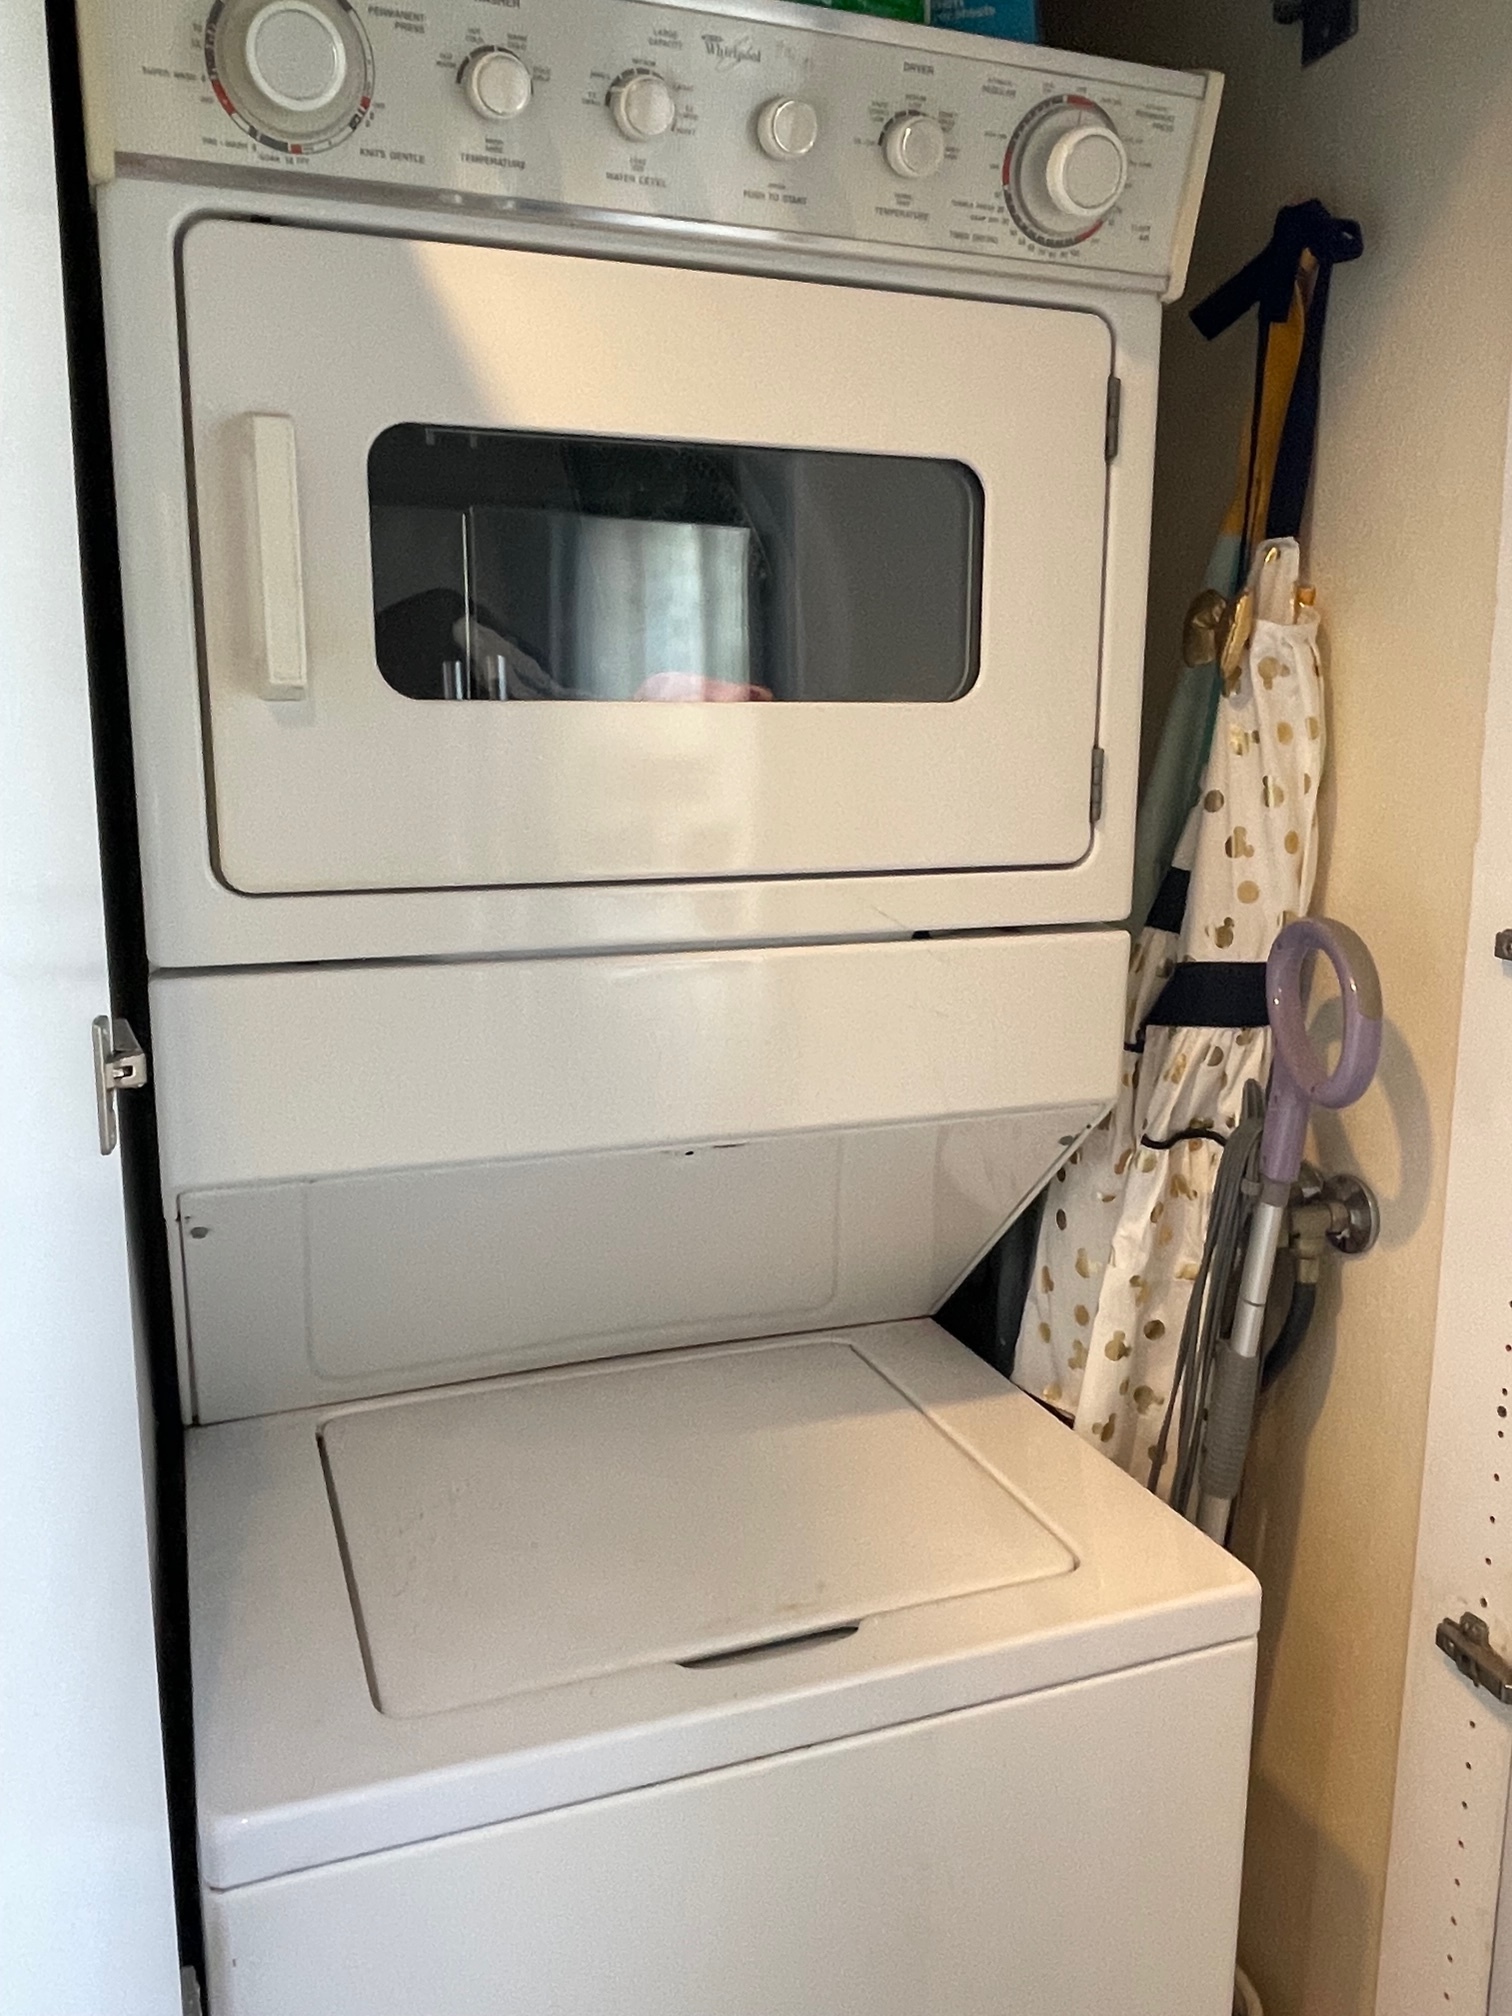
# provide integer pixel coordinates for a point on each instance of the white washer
(826, 1673)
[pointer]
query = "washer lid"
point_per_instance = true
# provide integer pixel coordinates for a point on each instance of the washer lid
(816, 1475)
(575, 1524)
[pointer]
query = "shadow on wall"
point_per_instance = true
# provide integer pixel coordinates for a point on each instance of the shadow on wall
(1403, 1193)
(1308, 1911)
(1318, 1893)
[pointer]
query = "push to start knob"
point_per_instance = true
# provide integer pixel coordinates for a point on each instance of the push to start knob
(295, 55)
(786, 128)
(496, 84)
(914, 145)
(643, 105)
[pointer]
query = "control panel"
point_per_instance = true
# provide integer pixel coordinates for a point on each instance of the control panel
(874, 133)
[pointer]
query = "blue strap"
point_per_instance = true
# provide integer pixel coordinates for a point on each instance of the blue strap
(1268, 282)
(1213, 994)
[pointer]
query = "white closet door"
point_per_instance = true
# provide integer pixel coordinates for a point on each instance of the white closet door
(1446, 1936)
(86, 1907)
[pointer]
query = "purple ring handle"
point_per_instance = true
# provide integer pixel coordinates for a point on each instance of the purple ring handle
(1300, 1079)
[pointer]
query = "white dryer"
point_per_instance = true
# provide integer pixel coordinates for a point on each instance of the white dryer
(609, 1589)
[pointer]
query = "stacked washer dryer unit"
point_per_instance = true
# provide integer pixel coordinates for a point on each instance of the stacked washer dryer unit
(610, 1590)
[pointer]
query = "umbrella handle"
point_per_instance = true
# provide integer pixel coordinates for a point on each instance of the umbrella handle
(1300, 1079)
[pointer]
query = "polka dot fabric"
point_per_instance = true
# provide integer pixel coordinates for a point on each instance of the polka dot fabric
(1125, 1220)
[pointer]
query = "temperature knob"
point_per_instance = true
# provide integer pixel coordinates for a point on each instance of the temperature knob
(497, 84)
(914, 145)
(643, 105)
(786, 128)
(1067, 167)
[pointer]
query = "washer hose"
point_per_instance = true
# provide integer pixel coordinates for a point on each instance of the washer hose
(1289, 1338)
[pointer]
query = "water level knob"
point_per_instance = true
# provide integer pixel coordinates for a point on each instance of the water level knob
(914, 145)
(642, 105)
(497, 84)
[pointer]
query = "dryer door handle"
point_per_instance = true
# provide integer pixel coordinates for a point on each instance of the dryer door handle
(277, 571)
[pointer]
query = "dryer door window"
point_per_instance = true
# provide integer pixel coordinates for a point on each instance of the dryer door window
(430, 472)
(558, 567)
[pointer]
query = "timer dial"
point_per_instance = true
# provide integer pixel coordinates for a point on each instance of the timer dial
(295, 74)
(642, 105)
(497, 84)
(1086, 171)
(1065, 169)
(295, 56)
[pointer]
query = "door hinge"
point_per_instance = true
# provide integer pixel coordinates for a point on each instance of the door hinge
(1468, 1644)
(120, 1065)
(1099, 764)
(1113, 417)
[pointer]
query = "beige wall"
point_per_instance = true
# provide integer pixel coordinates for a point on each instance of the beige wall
(1406, 128)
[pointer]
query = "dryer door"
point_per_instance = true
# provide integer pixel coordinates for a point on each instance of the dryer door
(483, 534)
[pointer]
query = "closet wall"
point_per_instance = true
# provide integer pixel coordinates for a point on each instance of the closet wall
(1404, 128)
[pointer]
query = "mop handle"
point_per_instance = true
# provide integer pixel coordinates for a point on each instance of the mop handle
(1300, 1078)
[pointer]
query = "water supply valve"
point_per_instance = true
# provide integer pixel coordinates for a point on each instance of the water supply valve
(1338, 1211)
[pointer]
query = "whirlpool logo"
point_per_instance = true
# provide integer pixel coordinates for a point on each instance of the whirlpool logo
(727, 54)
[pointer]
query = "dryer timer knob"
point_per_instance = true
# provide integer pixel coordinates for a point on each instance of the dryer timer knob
(1086, 171)
(1072, 167)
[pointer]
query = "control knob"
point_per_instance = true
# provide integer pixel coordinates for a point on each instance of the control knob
(496, 83)
(1069, 168)
(914, 145)
(1086, 171)
(642, 105)
(786, 128)
(295, 55)
(295, 74)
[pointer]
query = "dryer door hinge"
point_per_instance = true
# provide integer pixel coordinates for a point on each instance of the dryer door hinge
(120, 1065)
(1098, 766)
(1114, 414)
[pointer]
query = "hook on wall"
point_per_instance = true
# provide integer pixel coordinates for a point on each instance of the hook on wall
(1325, 23)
